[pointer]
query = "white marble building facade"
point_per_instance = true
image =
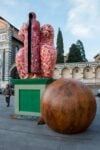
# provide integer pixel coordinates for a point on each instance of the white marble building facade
(87, 72)
(9, 44)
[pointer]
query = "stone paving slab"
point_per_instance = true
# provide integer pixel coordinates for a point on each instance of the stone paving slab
(23, 134)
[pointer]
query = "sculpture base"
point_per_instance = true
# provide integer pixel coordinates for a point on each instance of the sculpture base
(28, 94)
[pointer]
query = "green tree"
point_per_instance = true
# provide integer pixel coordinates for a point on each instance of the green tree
(60, 47)
(81, 47)
(74, 54)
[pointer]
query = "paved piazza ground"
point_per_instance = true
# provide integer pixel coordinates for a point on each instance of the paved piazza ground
(25, 134)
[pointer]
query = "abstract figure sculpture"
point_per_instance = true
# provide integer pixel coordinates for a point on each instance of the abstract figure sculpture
(38, 56)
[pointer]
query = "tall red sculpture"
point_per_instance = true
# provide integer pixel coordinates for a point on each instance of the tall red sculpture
(38, 56)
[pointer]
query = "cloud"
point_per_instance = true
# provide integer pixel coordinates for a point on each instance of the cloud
(81, 31)
(83, 17)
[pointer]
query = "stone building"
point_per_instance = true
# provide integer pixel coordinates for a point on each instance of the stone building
(87, 72)
(9, 45)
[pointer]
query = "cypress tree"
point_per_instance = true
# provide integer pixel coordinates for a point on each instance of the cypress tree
(60, 47)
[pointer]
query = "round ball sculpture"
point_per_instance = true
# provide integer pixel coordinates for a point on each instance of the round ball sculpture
(68, 106)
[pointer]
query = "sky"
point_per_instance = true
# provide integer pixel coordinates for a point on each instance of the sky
(77, 19)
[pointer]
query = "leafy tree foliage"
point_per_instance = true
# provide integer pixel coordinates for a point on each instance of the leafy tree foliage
(74, 54)
(60, 47)
(81, 47)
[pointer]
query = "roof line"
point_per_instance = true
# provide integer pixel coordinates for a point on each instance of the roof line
(9, 23)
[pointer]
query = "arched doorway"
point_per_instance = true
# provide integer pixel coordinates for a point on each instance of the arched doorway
(88, 72)
(56, 74)
(76, 73)
(13, 72)
(97, 72)
(66, 73)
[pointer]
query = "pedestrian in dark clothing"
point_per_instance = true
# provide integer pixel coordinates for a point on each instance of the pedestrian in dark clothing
(7, 93)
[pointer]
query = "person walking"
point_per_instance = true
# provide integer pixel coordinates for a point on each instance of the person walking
(7, 93)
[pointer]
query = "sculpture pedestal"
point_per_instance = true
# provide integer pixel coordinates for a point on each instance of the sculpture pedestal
(28, 94)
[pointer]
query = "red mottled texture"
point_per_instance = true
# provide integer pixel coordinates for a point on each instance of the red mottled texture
(43, 54)
(35, 46)
(68, 106)
(22, 57)
(20, 63)
(48, 52)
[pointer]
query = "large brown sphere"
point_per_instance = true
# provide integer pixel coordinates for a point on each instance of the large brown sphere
(68, 106)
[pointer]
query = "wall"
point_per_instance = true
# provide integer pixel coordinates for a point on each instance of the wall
(88, 72)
